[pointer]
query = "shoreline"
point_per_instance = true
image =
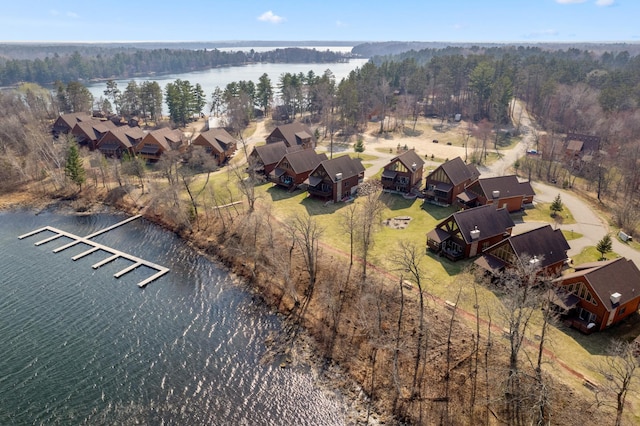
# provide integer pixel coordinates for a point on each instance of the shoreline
(330, 377)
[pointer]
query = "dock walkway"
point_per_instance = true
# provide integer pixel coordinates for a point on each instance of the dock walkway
(115, 254)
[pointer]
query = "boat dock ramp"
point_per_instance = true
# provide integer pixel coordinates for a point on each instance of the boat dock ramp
(115, 254)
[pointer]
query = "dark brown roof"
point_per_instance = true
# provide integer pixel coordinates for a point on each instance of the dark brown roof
(408, 159)
(590, 143)
(127, 136)
(303, 160)
(218, 138)
(271, 153)
(507, 186)
(545, 243)
(166, 137)
(460, 172)
(293, 133)
(70, 119)
(614, 276)
(344, 164)
(489, 221)
(93, 129)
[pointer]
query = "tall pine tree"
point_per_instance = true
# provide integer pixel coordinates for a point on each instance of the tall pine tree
(74, 169)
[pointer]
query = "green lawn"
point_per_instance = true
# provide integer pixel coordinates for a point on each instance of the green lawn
(542, 213)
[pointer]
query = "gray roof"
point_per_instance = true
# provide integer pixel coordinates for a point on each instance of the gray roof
(293, 132)
(489, 221)
(218, 138)
(459, 172)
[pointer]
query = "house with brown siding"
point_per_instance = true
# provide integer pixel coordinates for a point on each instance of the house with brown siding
(159, 141)
(217, 142)
(598, 295)
(120, 141)
(294, 168)
(448, 180)
(293, 134)
(501, 191)
(544, 247)
(336, 179)
(66, 122)
(89, 132)
(403, 173)
(468, 233)
(264, 158)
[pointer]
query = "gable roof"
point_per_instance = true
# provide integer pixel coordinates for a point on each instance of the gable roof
(70, 119)
(545, 243)
(589, 143)
(293, 132)
(166, 137)
(349, 167)
(619, 275)
(507, 186)
(271, 153)
(487, 219)
(218, 138)
(303, 160)
(459, 172)
(93, 129)
(127, 136)
(408, 159)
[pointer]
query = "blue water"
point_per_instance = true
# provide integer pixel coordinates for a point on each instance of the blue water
(79, 346)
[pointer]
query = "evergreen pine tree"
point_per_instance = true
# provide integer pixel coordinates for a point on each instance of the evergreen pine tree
(604, 246)
(74, 169)
(556, 206)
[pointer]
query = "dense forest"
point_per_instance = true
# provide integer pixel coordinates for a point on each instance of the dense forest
(122, 63)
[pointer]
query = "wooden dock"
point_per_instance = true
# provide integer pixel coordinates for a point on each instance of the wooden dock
(115, 254)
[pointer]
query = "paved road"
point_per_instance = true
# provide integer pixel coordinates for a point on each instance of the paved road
(588, 222)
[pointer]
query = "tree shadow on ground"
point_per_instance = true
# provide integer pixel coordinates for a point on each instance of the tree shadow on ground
(598, 343)
(278, 193)
(316, 206)
(396, 201)
(437, 212)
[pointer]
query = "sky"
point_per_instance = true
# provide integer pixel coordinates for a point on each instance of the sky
(321, 20)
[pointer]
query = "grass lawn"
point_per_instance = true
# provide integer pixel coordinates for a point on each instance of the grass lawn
(570, 235)
(590, 254)
(542, 213)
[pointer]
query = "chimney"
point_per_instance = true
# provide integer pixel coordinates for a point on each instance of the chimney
(496, 194)
(414, 166)
(615, 298)
(475, 233)
(338, 176)
(534, 260)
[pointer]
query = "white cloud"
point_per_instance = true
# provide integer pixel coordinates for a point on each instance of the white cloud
(570, 1)
(605, 2)
(72, 15)
(341, 24)
(54, 12)
(269, 16)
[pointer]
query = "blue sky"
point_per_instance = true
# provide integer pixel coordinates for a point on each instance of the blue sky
(351, 20)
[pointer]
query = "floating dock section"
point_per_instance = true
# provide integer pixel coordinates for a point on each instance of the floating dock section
(115, 254)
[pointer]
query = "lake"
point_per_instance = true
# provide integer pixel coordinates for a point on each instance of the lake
(220, 77)
(81, 347)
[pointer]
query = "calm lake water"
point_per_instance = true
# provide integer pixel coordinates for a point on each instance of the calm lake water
(80, 347)
(220, 77)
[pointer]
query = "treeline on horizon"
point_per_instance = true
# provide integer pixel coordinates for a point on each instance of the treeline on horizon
(128, 63)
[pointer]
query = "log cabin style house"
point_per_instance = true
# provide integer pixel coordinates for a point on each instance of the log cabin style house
(468, 233)
(403, 173)
(157, 142)
(545, 248)
(336, 179)
(502, 191)
(448, 180)
(66, 122)
(293, 134)
(598, 295)
(89, 132)
(294, 168)
(264, 158)
(120, 141)
(217, 142)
